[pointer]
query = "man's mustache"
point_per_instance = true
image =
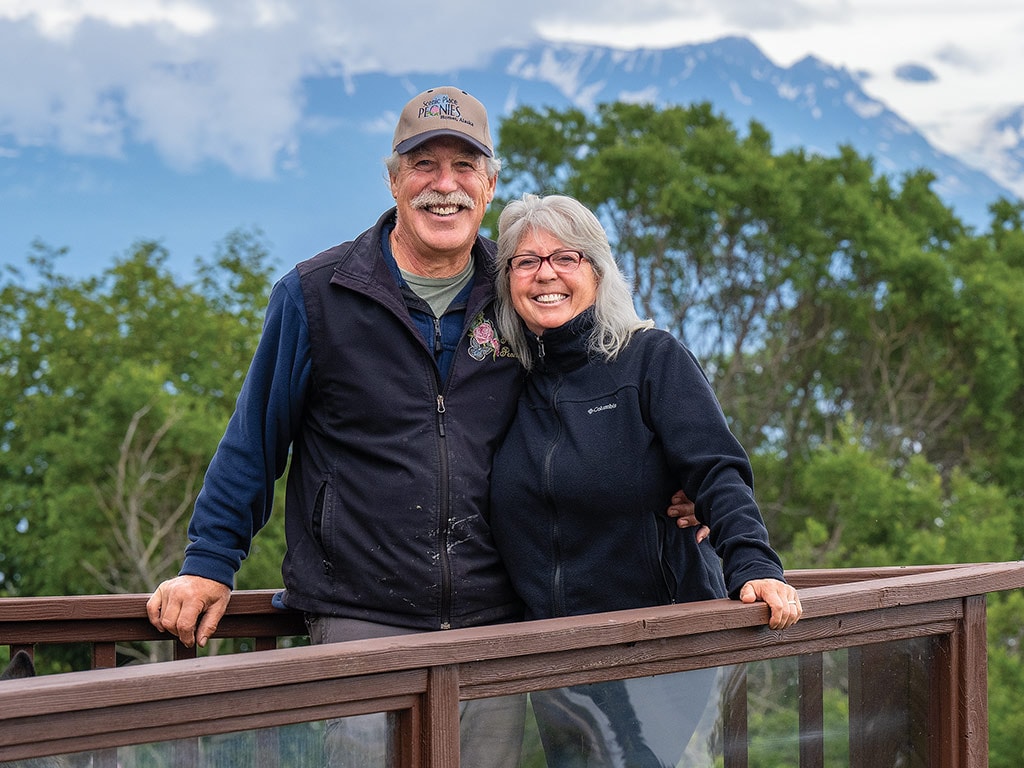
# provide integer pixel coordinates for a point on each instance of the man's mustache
(431, 199)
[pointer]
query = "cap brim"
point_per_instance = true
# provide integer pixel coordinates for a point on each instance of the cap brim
(410, 144)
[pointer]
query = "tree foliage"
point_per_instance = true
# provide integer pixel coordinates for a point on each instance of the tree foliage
(115, 390)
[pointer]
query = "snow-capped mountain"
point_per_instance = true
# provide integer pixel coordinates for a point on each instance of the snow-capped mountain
(328, 183)
(810, 104)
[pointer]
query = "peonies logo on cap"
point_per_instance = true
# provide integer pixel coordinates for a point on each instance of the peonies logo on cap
(445, 111)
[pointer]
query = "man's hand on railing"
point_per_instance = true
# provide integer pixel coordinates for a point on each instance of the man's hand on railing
(189, 607)
(781, 598)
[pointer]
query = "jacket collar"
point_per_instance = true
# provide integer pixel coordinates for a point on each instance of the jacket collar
(564, 348)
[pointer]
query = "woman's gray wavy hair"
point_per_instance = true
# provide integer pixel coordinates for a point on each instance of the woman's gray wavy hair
(575, 226)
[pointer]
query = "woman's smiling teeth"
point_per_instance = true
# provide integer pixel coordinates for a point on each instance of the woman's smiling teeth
(551, 298)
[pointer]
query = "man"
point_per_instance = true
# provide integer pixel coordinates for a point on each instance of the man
(380, 371)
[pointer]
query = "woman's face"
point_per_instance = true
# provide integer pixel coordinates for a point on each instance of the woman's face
(548, 298)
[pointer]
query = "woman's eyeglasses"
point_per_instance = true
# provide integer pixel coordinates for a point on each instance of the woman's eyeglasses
(563, 261)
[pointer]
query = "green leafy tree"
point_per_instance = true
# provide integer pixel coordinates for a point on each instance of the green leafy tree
(856, 507)
(115, 390)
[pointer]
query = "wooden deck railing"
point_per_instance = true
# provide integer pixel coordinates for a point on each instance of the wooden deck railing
(104, 621)
(938, 611)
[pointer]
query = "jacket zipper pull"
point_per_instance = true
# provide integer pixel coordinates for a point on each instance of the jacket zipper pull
(540, 348)
(440, 414)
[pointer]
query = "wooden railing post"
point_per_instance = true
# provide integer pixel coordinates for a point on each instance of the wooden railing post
(440, 735)
(972, 665)
(958, 705)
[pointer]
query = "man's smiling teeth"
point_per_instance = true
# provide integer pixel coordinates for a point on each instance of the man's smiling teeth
(550, 298)
(444, 210)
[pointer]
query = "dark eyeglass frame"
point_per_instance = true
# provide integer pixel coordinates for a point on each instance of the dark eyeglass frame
(523, 263)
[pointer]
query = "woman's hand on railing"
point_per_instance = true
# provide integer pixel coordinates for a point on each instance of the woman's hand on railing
(780, 597)
(189, 607)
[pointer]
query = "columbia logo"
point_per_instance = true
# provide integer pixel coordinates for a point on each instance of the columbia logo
(606, 407)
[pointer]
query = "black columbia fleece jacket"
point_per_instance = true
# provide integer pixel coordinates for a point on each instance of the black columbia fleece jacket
(582, 482)
(387, 509)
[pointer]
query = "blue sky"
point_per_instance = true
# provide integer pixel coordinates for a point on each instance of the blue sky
(179, 120)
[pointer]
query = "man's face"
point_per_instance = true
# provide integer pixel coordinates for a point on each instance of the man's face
(442, 191)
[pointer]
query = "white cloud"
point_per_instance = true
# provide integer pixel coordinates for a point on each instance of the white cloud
(220, 80)
(205, 81)
(95, 86)
(973, 49)
(58, 19)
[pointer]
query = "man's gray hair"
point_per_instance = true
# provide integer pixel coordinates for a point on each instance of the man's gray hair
(575, 226)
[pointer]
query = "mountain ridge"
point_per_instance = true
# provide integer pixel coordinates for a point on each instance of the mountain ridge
(328, 182)
(811, 104)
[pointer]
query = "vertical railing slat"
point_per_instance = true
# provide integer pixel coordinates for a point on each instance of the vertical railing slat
(943, 718)
(104, 655)
(734, 718)
(812, 721)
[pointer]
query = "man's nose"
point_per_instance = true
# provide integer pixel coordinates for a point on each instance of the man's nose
(445, 180)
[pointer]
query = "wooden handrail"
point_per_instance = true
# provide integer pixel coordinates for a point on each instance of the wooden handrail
(192, 697)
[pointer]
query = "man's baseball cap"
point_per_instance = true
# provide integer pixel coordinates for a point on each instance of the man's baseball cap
(444, 111)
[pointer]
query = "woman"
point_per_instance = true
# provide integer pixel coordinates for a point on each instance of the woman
(615, 416)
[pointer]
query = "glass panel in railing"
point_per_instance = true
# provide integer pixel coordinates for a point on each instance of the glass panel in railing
(360, 740)
(663, 720)
(891, 692)
(865, 706)
(773, 712)
(351, 741)
(862, 707)
(491, 731)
